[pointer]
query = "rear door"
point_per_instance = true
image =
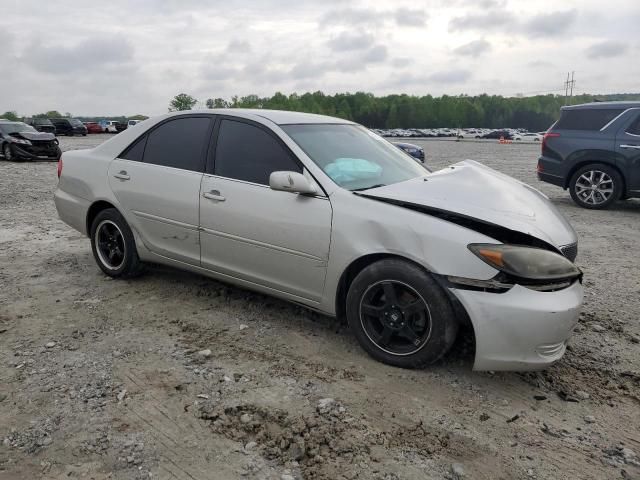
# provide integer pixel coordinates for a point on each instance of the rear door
(157, 182)
(276, 239)
(628, 149)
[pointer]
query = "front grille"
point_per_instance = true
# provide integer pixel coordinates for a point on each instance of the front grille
(570, 251)
(41, 148)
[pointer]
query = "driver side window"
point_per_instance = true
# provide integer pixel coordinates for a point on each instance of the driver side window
(246, 152)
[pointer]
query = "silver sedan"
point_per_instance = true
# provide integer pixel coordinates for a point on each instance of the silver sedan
(323, 212)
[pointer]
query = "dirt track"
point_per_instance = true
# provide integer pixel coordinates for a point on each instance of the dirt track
(103, 379)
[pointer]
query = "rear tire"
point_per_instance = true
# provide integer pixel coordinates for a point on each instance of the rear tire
(596, 186)
(113, 245)
(400, 315)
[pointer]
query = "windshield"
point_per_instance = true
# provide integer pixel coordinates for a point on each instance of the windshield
(75, 122)
(354, 157)
(16, 127)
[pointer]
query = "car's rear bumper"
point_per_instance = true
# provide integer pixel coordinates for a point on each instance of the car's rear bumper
(551, 171)
(72, 210)
(521, 329)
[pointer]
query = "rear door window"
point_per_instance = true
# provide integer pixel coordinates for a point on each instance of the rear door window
(247, 152)
(586, 118)
(179, 143)
(634, 128)
(135, 151)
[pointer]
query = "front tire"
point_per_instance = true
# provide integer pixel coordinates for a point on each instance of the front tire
(113, 245)
(400, 315)
(7, 152)
(596, 186)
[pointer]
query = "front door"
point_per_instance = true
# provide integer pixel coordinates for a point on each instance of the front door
(157, 183)
(275, 239)
(628, 148)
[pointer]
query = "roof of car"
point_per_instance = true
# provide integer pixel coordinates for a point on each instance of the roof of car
(605, 105)
(279, 117)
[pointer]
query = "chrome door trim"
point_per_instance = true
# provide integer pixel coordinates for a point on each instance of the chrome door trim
(210, 175)
(635, 147)
(614, 119)
(262, 244)
(168, 221)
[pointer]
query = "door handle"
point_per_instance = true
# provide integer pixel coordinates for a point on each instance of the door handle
(122, 175)
(214, 195)
(635, 147)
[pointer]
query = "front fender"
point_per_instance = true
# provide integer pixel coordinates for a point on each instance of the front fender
(363, 226)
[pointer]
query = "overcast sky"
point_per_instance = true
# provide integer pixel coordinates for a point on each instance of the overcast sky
(128, 57)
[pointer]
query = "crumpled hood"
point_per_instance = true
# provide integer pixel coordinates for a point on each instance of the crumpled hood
(41, 136)
(474, 190)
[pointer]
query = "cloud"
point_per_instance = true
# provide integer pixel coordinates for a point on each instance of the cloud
(607, 49)
(376, 54)
(481, 21)
(239, 46)
(474, 48)
(550, 24)
(408, 17)
(456, 75)
(350, 41)
(352, 16)
(500, 20)
(91, 54)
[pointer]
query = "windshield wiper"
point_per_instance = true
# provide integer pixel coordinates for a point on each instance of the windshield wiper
(367, 188)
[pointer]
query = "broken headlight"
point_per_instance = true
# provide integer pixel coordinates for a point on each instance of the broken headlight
(526, 263)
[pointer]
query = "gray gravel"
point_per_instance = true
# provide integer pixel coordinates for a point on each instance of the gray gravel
(172, 375)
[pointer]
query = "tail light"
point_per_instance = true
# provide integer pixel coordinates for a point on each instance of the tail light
(60, 166)
(545, 137)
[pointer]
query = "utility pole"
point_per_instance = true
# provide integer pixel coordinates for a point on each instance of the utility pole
(568, 88)
(573, 82)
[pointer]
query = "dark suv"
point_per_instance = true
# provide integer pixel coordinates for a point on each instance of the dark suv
(594, 151)
(41, 125)
(69, 126)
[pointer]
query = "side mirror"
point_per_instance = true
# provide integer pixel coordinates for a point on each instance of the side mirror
(291, 182)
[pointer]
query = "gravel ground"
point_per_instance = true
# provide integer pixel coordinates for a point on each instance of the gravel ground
(176, 376)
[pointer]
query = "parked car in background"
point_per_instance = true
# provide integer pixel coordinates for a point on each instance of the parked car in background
(93, 127)
(414, 150)
(41, 125)
(69, 126)
(19, 141)
(529, 137)
(497, 134)
(594, 151)
(469, 133)
(131, 123)
(114, 126)
(413, 254)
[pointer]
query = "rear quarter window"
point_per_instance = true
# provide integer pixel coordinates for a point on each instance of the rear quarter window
(586, 119)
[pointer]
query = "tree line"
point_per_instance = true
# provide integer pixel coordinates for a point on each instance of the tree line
(14, 117)
(534, 113)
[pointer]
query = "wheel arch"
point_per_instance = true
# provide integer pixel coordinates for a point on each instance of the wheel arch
(360, 263)
(583, 163)
(95, 208)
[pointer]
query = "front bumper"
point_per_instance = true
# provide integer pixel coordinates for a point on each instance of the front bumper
(36, 153)
(521, 329)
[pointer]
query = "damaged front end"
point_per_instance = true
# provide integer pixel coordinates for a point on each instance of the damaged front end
(525, 310)
(476, 197)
